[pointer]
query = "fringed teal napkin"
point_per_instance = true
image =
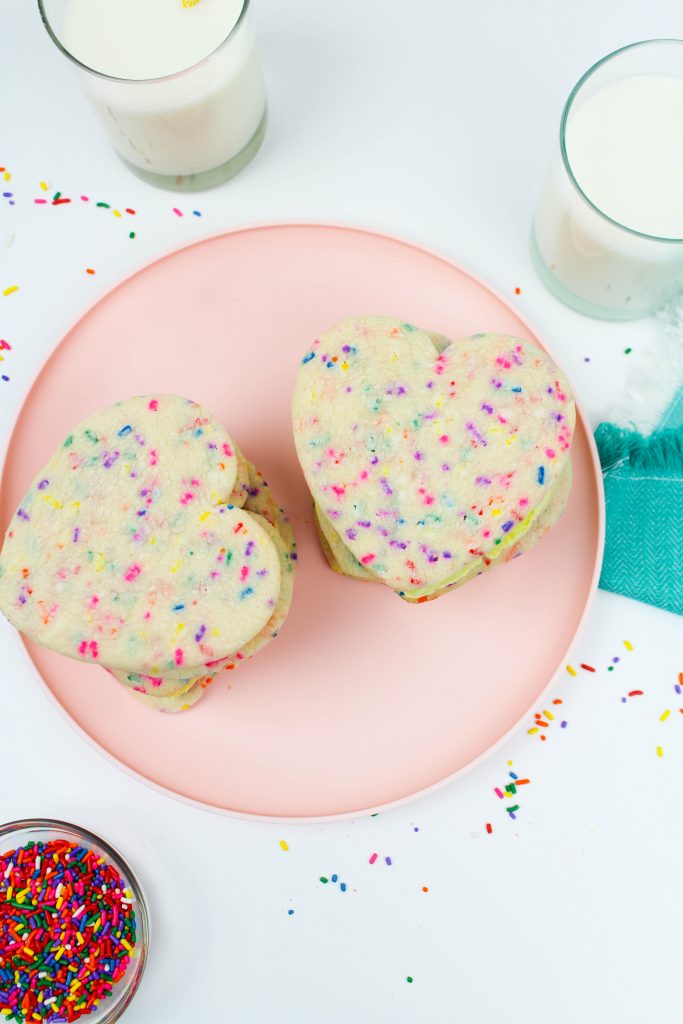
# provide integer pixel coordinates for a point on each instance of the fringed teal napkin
(643, 477)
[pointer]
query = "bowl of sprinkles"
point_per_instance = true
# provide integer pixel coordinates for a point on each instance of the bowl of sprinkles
(74, 927)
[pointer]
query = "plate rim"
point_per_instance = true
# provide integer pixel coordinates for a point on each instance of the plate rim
(424, 791)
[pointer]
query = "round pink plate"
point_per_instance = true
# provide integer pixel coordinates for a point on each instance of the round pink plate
(364, 700)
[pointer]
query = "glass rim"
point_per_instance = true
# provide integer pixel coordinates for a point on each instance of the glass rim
(112, 1012)
(137, 81)
(671, 239)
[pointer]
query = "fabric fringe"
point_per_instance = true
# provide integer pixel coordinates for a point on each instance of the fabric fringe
(661, 453)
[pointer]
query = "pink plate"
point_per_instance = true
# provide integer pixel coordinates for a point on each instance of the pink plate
(364, 700)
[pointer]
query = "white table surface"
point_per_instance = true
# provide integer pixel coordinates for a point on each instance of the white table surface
(434, 121)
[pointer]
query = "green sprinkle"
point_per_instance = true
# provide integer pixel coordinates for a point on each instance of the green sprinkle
(324, 880)
(228, 558)
(409, 980)
(106, 206)
(510, 810)
(627, 351)
(57, 195)
(132, 234)
(91, 437)
(69, 441)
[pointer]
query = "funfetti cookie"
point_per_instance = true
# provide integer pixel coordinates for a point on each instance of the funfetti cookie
(128, 551)
(430, 462)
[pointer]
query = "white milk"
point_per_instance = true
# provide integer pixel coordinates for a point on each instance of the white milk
(191, 123)
(625, 146)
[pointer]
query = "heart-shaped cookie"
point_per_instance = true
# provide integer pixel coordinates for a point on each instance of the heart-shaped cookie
(130, 548)
(430, 460)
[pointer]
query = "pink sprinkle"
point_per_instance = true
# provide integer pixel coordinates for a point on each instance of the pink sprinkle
(179, 656)
(153, 457)
(40, 202)
(366, 559)
(373, 859)
(94, 601)
(83, 647)
(498, 792)
(86, 199)
(444, 438)
(153, 405)
(155, 680)
(550, 452)
(132, 573)
(187, 498)
(244, 572)
(227, 450)
(177, 212)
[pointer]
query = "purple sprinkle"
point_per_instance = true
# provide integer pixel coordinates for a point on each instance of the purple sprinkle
(5, 377)
(346, 348)
(446, 554)
(586, 359)
(418, 456)
(249, 549)
(483, 481)
(623, 700)
(200, 633)
(23, 515)
(445, 468)
(398, 544)
(487, 408)
(364, 523)
(388, 860)
(497, 383)
(564, 725)
(43, 484)
(615, 660)
(77, 533)
(677, 688)
(385, 485)
(351, 534)
(430, 384)
(22, 599)
(109, 458)
(508, 526)
(374, 460)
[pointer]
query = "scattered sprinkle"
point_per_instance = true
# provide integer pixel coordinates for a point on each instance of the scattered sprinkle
(627, 351)
(324, 880)
(572, 671)
(290, 912)
(373, 858)
(628, 645)
(587, 668)
(518, 291)
(89, 270)
(660, 752)
(664, 715)
(283, 845)
(489, 827)
(12, 288)
(177, 212)
(409, 980)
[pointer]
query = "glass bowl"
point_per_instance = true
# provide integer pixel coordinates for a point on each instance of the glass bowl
(15, 834)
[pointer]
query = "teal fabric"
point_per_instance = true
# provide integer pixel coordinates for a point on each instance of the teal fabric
(643, 479)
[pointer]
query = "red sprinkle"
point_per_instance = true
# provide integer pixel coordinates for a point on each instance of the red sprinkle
(588, 668)
(489, 827)
(636, 693)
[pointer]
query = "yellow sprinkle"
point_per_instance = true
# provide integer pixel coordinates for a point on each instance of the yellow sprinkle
(75, 984)
(43, 185)
(344, 366)
(214, 631)
(97, 925)
(8, 176)
(204, 516)
(283, 845)
(21, 896)
(179, 628)
(8, 897)
(100, 562)
(80, 938)
(572, 671)
(29, 952)
(189, 3)
(495, 512)
(12, 288)
(532, 731)
(437, 405)
(388, 430)
(117, 213)
(128, 894)
(510, 763)
(60, 901)
(628, 645)
(124, 943)
(664, 715)
(549, 715)
(59, 953)
(659, 751)
(175, 567)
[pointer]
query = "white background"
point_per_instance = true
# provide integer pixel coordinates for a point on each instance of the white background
(432, 120)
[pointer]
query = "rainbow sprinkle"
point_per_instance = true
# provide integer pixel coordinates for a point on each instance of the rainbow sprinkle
(67, 931)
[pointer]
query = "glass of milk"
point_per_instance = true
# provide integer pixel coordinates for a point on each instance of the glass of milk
(177, 83)
(607, 237)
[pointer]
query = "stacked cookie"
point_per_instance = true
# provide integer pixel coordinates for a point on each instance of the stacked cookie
(149, 545)
(430, 461)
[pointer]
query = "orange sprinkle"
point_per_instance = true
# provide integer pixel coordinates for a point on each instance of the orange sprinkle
(557, 700)
(522, 782)
(89, 270)
(518, 291)
(425, 888)
(542, 737)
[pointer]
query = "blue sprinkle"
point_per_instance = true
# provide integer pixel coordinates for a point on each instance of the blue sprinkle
(125, 430)
(197, 213)
(198, 432)
(518, 389)
(513, 776)
(246, 593)
(5, 377)
(508, 526)
(178, 607)
(343, 887)
(307, 359)
(290, 912)
(541, 474)
(334, 878)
